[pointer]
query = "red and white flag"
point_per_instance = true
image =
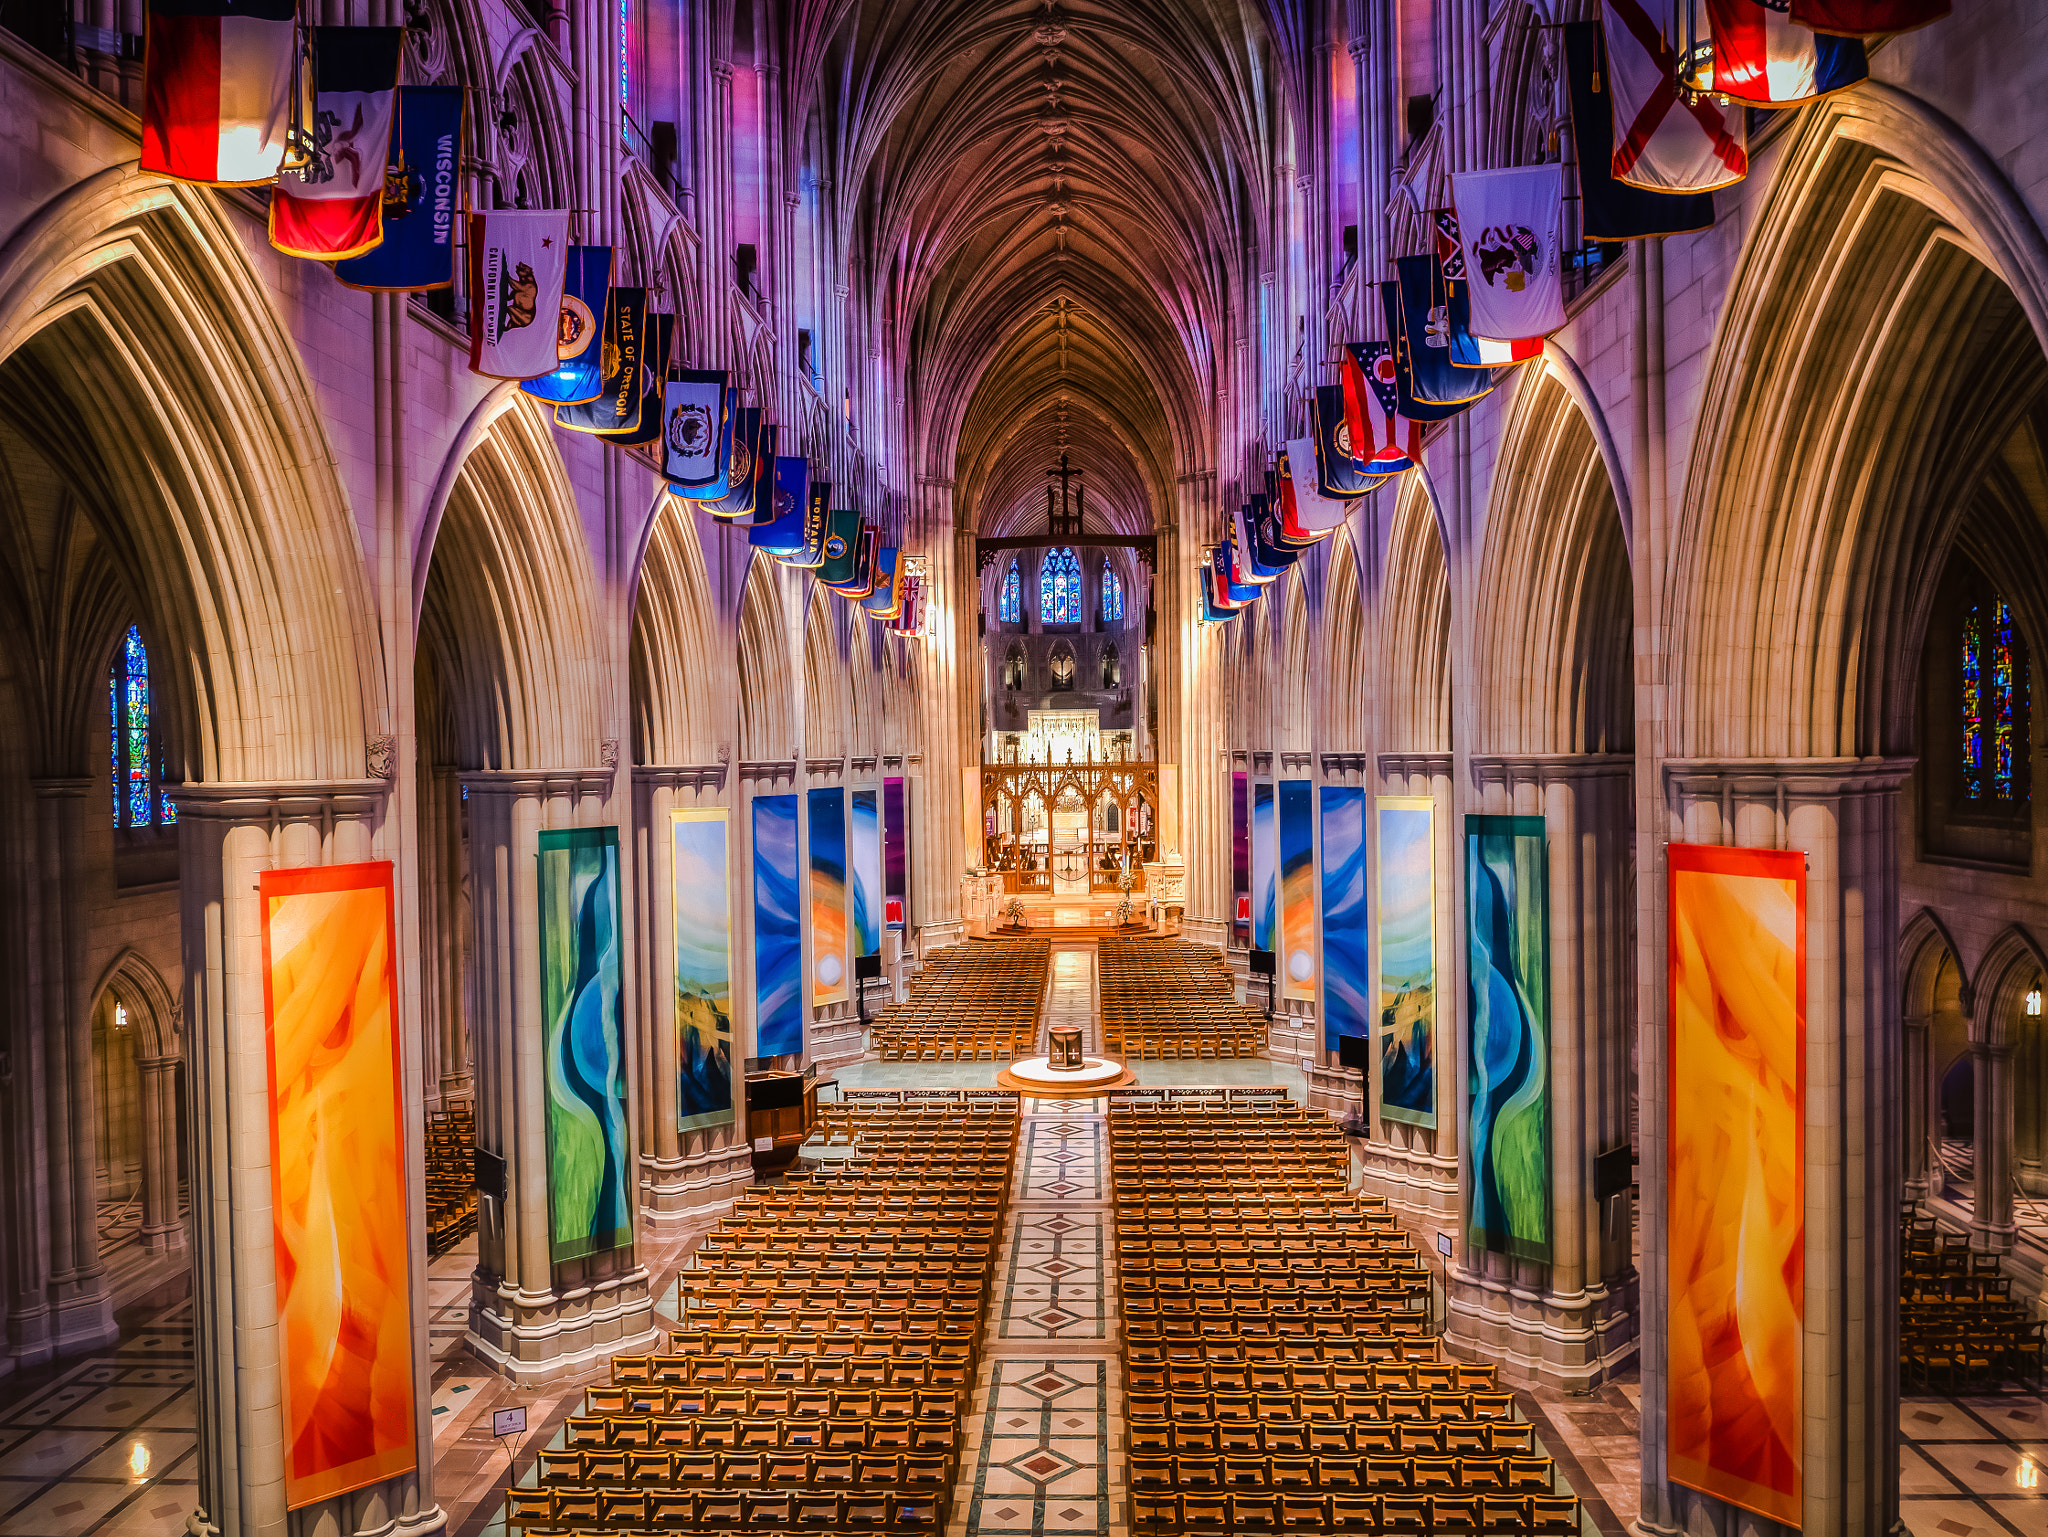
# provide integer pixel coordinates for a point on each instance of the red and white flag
(1864, 18)
(333, 206)
(517, 262)
(217, 89)
(1763, 58)
(1662, 142)
(1307, 509)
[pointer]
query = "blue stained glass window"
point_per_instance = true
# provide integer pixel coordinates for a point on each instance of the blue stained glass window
(1059, 588)
(138, 800)
(1994, 704)
(1112, 595)
(1010, 604)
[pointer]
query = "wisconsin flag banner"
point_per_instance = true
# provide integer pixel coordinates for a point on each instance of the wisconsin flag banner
(1611, 209)
(217, 89)
(1763, 58)
(1662, 141)
(517, 262)
(694, 432)
(782, 531)
(333, 205)
(622, 380)
(1862, 18)
(1512, 225)
(421, 195)
(579, 330)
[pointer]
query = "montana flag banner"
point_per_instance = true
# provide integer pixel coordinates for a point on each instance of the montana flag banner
(516, 265)
(1663, 140)
(1427, 387)
(782, 531)
(817, 526)
(422, 198)
(1611, 209)
(1338, 471)
(333, 205)
(660, 336)
(1388, 442)
(1512, 225)
(579, 330)
(1863, 18)
(1314, 512)
(624, 377)
(1763, 58)
(217, 89)
(694, 431)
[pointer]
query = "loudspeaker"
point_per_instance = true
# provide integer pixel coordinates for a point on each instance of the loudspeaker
(1261, 963)
(1354, 1051)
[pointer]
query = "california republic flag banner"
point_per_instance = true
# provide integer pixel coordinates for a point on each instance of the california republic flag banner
(217, 89)
(1662, 141)
(516, 265)
(333, 206)
(1512, 223)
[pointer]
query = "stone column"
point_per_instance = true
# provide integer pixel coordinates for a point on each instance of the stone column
(1914, 1069)
(1843, 814)
(1571, 1323)
(162, 1230)
(531, 1319)
(1991, 1224)
(227, 836)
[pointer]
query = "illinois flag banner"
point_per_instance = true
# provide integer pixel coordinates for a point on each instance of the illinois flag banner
(333, 205)
(1663, 141)
(1512, 225)
(1763, 58)
(421, 198)
(694, 429)
(217, 89)
(1859, 18)
(579, 330)
(517, 262)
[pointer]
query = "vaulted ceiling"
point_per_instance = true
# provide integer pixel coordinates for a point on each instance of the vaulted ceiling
(1053, 210)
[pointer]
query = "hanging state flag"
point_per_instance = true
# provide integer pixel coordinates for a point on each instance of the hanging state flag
(1393, 441)
(1295, 531)
(760, 506)
(217, 89)
(1866, 18)
(863, 582)
(1512, 226)
(1245, 551)
(421, 193)
(517, 261)
(660, 334)
(911, 620)
(810, 556)
(1664, 141)
(1338, 472)
(1269, 553)
(695, 432)
(742, 465)
(579, 330)
(332, 206)
(842, 541)
(781, 533)
(1212, 612)
(1428, 387)
(1763, 58)
(884, 601)
(1312, 512)
(1238, 587)
(622, 375)
(1611, 209)
(1450, 284)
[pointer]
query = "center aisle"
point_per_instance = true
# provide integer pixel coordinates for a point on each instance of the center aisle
(1043, 1444)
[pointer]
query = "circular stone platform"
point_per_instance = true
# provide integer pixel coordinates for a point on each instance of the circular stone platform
(1037, 1076)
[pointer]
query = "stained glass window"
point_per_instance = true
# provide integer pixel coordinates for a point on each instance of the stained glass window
(1112, 595)
(138, 800)
(1010, 603)
(1059, 588)
(1994, 703)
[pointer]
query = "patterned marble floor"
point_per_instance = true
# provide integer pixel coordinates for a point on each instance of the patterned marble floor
(1974, 1466)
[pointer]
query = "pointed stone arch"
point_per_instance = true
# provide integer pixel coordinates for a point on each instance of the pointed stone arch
(826, 705)
(767, 710)
(678, 702)
(1415, 630)
(1346, 674)
(1294, 723)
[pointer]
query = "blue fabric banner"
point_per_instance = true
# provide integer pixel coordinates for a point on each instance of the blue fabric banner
(778, 934)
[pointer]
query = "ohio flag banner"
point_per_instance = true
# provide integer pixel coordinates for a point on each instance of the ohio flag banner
(517, 262)
(217, 89)
(1763, 58)
(333, 205)
(1662, 141)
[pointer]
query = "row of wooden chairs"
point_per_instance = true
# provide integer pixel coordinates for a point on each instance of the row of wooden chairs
(1959, 1328)
(976, 1001)
(667, 1386)
(1388, 1340)
(787, 1466)
(1332, 1438)
(707, 1348)
(1542, 1515)
(1170, 999)
(548, 1512)
(1320, 1404)
(931, 1435)
(1282, 1376)
(451, 1176)
(1291, 1470)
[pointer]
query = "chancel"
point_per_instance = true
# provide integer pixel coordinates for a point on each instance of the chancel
(1006, 768)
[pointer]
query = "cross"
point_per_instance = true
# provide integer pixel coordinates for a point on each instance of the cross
(1061, 523)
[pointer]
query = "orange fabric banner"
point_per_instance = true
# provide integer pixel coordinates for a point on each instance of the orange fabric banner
(1737, 1172)
(337, 1178)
